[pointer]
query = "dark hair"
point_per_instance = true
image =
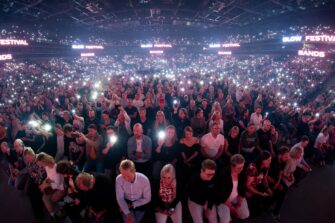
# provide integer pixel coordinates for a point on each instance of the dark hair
(110, 127)
(92, 126)
(67, 128)
(208, 164)
(304, 138)
(282, 150)
(198, 111)
(66, 167)
(264, 155)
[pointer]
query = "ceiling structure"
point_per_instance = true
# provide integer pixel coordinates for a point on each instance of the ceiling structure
(113, 14)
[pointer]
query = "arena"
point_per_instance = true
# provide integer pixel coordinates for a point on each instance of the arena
(161, 111)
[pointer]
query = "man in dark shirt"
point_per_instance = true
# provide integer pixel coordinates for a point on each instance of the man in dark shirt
(98, 194)
(278, 186)
(131, 110)
(201, 195)
(264, 136)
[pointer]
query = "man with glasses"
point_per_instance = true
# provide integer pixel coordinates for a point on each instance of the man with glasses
(201, 195)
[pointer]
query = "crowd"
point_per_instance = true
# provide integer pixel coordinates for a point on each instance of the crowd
(119, 138)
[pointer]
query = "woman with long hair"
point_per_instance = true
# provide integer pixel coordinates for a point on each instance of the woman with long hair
(167, 196)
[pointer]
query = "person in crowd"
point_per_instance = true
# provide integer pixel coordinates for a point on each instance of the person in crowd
(131, 110)
(275, 180)
(180, 121)
(145, 121)
(98, 191)
(291, 165)
(303, 167)
(256, 118)
(133, 192)
(258, 190)
(37, 175)
(322, 147)
(93, 143)
(233, 141)
(231, 191)
(198, 123)
(73, 206)
(216, 117)
(166, 151)
(112, 152)
(249, 143)
(160, 123)
(105, 121)
(11, 159)
(20, 174)
(244, 120)
(201, 193)
(123, 125)
(212, 144)
(264, 137)
(52, 187)
(139, 150)
(167, 196)
(189, 147)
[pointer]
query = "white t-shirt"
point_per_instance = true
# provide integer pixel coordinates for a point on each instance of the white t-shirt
(234, 192)
(212, 144)
(56, 178)
(257, 120)
(321, 139)
(139, 145)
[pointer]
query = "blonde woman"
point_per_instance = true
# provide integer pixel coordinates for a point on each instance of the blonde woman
(53, 187)
(167, 197)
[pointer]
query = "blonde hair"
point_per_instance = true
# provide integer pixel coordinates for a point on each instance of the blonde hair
(169, 168)
(127, 165)
(84, 179)
(45, 159)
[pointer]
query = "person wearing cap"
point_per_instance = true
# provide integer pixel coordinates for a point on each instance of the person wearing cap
(93, 143)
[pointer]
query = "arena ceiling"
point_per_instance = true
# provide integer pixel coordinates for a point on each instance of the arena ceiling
(112, 14)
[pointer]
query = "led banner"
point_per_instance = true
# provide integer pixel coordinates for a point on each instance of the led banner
(89, 47)
(6, 56)
(156, 51)
(87, 54)
(13, 42)
(291, 39)
(224, 45)
(162, 45)
(224, 52)
(311, 53)
(227, 45)
(146, 45)
(320, 38)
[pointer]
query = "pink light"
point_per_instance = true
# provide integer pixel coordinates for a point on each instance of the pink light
(311, 53)
(224, 52)
(320, 38)
(227, 45)
(14, 42)
(6, 56)
(99, 47)
(162, 45)
(87, 54)
(156, 51)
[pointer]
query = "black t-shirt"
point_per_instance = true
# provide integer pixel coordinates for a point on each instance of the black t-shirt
(168, 154)
(275, 168)
(102, 195)
(12, 157)
(200, 191)
(264, 138)
(189, 151)
(233, 144)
